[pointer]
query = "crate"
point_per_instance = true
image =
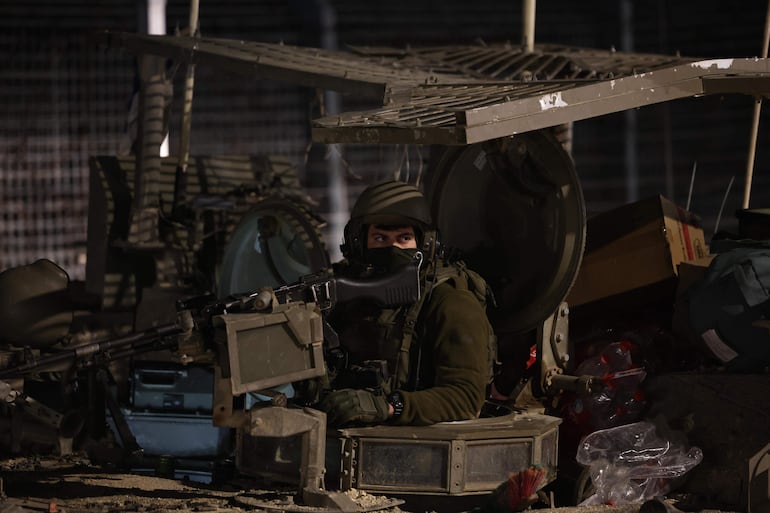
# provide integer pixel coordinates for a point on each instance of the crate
(184, 435)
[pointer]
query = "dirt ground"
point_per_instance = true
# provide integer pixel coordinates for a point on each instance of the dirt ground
(73, 485)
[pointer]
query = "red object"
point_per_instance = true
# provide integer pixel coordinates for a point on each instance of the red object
(532, 356)
(520, 490)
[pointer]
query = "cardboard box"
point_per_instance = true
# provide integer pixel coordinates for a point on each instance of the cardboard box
(635, 246)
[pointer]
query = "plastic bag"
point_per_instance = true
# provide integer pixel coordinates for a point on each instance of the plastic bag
(621, 401)
(633, 463)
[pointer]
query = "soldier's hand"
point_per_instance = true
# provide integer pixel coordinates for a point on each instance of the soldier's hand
(348, 405)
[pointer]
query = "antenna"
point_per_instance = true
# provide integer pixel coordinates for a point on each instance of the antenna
(692, 183)
(722, 206)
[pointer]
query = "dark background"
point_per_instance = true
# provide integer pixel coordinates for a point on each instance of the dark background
(63, 98)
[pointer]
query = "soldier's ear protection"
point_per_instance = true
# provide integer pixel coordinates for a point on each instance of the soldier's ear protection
(353, 244)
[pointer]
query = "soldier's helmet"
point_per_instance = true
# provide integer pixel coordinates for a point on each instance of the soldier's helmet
(391, 203)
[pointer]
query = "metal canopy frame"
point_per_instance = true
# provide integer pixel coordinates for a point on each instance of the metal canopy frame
(455, 115)
(459, 95)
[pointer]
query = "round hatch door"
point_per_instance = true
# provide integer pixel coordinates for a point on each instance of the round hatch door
(514, 211)
(274, 244)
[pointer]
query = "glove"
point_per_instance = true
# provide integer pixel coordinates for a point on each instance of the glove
(348, 405)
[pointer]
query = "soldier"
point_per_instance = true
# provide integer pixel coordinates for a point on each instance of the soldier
(418, 364)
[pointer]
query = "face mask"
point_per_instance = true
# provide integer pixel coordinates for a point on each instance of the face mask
(385, 260)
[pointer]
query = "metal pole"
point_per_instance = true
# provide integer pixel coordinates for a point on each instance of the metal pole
(184, 141)
(156, 24)
(630, 140)
(337, 185)
(668, 158)
(755, 121)
(180, 182)
(528, 20)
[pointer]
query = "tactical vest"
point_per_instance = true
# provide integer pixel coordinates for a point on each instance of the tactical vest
(460, 277)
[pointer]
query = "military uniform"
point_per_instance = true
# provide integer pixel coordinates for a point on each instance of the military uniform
(434, 357)
(447, 360)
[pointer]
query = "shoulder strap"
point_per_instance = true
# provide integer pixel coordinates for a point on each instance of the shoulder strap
(461, 278)
(408, 330)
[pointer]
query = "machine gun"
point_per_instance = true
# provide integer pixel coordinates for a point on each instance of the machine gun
(197, 316)
(259, 341)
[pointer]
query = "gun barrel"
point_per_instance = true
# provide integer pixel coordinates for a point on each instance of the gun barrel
(87, 350)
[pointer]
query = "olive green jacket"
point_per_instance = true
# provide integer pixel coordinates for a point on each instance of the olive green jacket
(453, 332)
(447, 361)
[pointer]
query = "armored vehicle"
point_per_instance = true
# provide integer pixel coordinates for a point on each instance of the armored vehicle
(210, 271)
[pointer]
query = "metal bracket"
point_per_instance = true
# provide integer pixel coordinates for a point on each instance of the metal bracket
(553, 347)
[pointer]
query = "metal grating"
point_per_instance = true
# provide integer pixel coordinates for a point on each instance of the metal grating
(60, 102)
(466, 94)
(393, 74)
(314, 67)
(468, 114)
(505, 62)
